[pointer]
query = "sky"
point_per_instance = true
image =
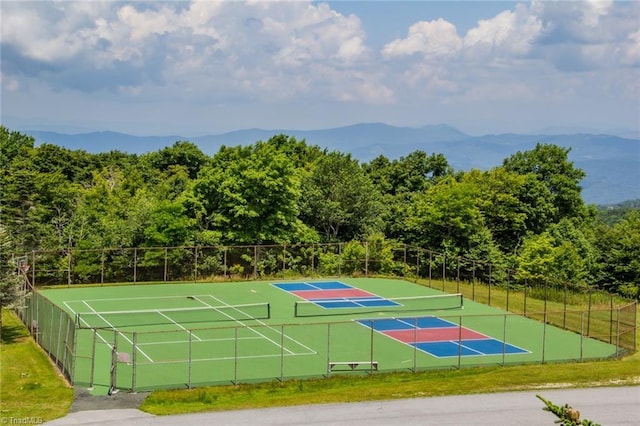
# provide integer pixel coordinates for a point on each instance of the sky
(193, 68)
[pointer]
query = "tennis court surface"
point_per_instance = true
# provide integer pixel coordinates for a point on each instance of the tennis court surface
(440, 338)
(142, 337)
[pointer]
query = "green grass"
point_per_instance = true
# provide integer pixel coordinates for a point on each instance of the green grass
(394, 386)
(30, 385)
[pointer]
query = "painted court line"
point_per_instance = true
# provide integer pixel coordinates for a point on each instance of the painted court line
(178, 324)
(272, 329)
(440, 338)
(115, 328)
(243, 324)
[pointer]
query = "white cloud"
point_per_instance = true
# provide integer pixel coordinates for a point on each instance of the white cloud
(207, 48)
(290, 54)
(510, 33)
(433, 38)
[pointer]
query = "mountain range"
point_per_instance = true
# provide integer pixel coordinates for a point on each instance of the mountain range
(612, 163)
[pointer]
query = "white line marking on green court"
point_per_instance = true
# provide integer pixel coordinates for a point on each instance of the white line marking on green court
(115, 328)
(177, 323)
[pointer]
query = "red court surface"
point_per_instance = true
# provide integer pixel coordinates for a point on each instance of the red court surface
(434, 334)
(332, 294)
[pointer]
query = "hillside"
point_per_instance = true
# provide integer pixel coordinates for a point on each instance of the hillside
(612, 163)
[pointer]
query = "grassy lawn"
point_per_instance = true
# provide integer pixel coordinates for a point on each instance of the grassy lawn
(394, 386)
(30, 386)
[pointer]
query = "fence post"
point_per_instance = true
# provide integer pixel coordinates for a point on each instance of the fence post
(459, 342)
(415, 344)
(226, 269)
(618, 351)
(190, 365)
(235, 357)
(544, 336)
(134, 363)
(50, 333)
(458, 276)
(430, 265)
(281, 352)
(102, 255)
(473, 281)
(166, 264)
(366, 258)
(589, 312)
(444, 268)
(564, 308)
(328, 348)
(504, 340)
(195, 263)
(114, 365)
(135, 264)
(69, 268)
(371, 350)
(33, 268)
(581, 335)
(490, 282)
(284, 260)
(611, 319)
(508, 287)
(93, 358)
(255, 261)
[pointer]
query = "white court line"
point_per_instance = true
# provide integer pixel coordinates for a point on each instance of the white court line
(271, 328)
(135, 298)
(240, 322)
(115, 328)
(228, 358)
(178, 324)
(175, 342)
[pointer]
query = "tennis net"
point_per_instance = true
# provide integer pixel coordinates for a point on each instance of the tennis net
(177, 316)
(346, 306)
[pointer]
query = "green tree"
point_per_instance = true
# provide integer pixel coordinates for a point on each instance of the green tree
(10, 282)
(339, 200)
(182, 153)
(551, 166)
(619, 256)
(562, 255)
(250, 196)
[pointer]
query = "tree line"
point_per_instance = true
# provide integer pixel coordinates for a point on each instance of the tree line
(527, 214)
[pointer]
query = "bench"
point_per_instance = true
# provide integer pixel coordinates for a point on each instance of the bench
(353, 365)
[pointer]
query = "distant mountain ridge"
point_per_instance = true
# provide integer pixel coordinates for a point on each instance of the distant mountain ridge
(612, 163)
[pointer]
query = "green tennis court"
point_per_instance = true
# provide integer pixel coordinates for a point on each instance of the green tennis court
(185, 335)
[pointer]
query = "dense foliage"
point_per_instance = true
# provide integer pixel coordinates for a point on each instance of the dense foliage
(527, 214)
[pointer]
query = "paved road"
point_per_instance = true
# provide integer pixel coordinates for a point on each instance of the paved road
(607, 406)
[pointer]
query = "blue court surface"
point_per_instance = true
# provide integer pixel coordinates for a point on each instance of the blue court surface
(440, 338)
(335, 295)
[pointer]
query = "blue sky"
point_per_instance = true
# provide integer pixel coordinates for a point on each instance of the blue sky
(192, 68)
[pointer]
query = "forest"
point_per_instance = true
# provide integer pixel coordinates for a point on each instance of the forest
(527, 214)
